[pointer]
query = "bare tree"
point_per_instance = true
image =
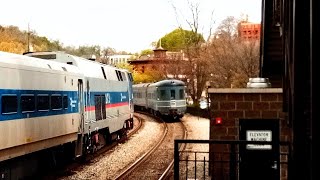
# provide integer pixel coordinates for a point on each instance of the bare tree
(197, 71)
(233, 59)
(224, 60)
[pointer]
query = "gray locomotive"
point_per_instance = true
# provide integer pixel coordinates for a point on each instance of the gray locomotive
(163, 98)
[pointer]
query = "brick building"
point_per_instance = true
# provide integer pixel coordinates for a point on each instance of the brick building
(249, 31)
(160, 60)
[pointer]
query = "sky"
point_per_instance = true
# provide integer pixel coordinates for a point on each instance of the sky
(125, 25)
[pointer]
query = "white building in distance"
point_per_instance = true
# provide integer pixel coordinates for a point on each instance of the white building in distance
(117, 59)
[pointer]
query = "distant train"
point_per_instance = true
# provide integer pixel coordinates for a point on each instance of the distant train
(163, 98)
(61, 101)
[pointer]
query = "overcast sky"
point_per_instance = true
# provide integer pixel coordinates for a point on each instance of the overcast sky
(128, 25)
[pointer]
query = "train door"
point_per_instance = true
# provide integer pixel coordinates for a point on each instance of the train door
(130, 93)
(259, 161)
(145, 96)
(81, 111)
(173, 103)
(131, 106)
(81, 104)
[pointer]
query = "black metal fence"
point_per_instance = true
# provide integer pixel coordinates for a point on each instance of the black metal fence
(210, 159)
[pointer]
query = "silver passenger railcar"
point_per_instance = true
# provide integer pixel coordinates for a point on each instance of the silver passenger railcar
(163, 98)
(39, 105)
(105, 99)
(64, 101)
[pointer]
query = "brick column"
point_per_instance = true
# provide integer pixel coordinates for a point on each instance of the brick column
(247, 103)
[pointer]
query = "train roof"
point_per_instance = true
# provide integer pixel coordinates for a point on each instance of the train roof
(89, 68)
(168, 82)
(24, 62)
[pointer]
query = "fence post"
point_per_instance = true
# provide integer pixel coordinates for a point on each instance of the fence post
(176, 160)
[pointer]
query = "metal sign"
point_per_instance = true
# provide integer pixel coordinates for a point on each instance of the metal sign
(259, 135)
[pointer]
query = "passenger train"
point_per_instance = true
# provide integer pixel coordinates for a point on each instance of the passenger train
(53, 99)
(163, 98)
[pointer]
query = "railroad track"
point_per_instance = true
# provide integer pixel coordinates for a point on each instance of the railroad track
(157, 162)
(136, 127)
(68, 168)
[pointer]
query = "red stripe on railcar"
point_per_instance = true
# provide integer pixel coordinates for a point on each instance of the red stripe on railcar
(92, 108)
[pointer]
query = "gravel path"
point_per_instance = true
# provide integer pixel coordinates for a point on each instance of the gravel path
(110, 164)
(198, 128)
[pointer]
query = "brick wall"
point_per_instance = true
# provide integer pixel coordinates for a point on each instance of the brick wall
(234, 104)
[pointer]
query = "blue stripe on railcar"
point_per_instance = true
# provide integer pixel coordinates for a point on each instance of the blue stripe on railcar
(111, 97)
(72, 104)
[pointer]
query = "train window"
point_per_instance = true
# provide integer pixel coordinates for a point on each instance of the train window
(120, 76)
(181, 94)
(124, 76)
(65, 101)
(56, 102)
(43, 102)
(9, 104)
(162, 94)
(28, 103)
(172, 94)
(130, 77)
(117, 72)
(104, 74)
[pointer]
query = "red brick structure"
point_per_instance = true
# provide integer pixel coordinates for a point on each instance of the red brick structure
(249, 31)
(150, 62)
(234, 104)
(160, 60)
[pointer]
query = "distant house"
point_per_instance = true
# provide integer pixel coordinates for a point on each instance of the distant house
(117, 59)
(161, 60)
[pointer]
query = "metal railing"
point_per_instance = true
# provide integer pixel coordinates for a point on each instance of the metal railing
(211, 159)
